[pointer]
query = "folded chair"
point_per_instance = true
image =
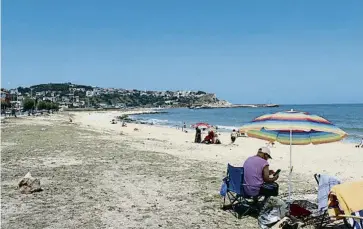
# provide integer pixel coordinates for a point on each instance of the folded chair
(234, 196)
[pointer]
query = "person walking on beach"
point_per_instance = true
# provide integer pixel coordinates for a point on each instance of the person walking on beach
(198, 135)
(257, 175)
(13, 112)
(233, 136)
(184, 127)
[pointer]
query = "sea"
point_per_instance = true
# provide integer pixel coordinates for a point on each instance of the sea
(348, 117)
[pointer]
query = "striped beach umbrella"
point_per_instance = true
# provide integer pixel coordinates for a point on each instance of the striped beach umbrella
(297, 137)
(293, 128)
(201, 125)
(307, 128)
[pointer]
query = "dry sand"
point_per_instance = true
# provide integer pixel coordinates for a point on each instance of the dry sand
(99, 175)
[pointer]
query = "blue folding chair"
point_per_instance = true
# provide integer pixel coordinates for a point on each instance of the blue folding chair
(233, 192)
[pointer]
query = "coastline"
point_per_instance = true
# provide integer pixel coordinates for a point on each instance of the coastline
(225, 126)
(104, 115)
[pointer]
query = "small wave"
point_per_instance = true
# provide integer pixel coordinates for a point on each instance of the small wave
(227, 127)
(354, 133)
(355, 129)
(355, 136)
(155, 121)
(352, 140)
(159, 121)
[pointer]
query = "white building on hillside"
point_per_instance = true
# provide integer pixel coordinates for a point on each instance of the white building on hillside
(89, 93)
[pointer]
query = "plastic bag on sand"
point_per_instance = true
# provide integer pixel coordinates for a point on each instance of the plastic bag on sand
(223, 190)
(274, 210)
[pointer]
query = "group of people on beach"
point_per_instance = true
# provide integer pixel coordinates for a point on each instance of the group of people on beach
(212, 136)
(113, 121)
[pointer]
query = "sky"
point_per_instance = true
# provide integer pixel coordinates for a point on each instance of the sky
(257, 51)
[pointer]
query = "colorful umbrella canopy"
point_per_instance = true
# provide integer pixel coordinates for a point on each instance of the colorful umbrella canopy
(201, 125)
(297, 138)
(297, 122)
(293, 128)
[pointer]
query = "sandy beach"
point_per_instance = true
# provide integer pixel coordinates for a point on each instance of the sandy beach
(338, 159)
(100, 175)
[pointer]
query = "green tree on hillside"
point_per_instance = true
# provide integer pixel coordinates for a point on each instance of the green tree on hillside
(28, 104)
(42, 105)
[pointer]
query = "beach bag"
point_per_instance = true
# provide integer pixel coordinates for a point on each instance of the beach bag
(299, 211)
(271, 189)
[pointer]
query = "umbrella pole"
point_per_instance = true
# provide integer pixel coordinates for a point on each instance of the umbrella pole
(290, 167)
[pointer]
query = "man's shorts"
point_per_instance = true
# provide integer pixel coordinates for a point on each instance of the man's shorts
(269, 189)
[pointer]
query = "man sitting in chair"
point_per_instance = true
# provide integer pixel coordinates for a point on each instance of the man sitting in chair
(257, 178)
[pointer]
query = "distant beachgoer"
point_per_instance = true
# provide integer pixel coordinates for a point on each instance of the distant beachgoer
(198, 135)
(360, 144)
(184, 127)
(13, 112)
(209, 139)
(216, 139)
(233, 136)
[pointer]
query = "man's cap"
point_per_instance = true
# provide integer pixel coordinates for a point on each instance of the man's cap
(265, 150)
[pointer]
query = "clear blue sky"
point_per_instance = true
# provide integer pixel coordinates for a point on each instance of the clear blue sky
(257, 51)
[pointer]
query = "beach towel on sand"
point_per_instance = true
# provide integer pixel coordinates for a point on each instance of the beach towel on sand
(349, 196)
(326, 183)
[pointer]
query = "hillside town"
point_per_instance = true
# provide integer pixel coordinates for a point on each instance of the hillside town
(70, 95)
